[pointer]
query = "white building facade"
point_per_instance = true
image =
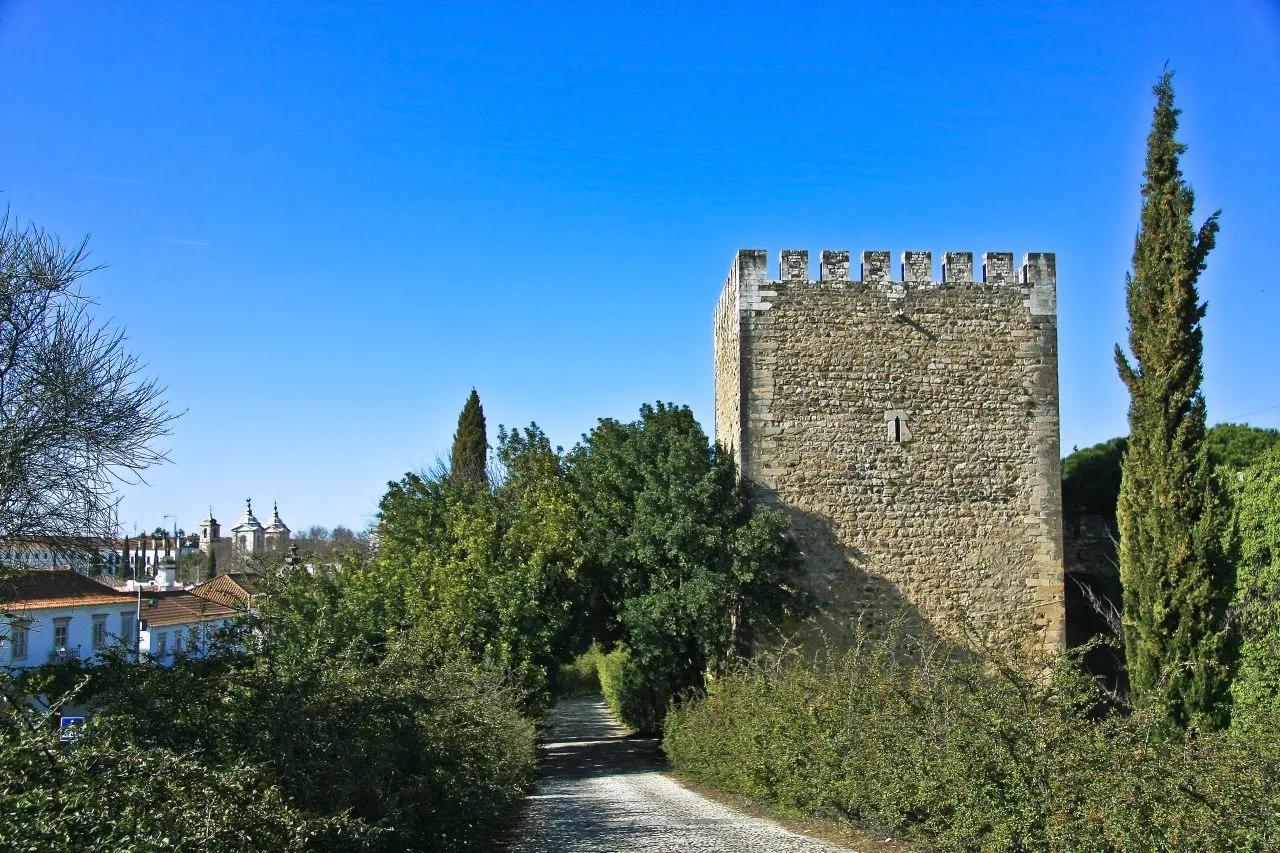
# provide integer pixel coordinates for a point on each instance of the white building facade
(58, 615)
(120, 557)
(181, 622)
(143, 556)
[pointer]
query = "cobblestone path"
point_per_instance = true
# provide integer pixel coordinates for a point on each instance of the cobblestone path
(603, 792)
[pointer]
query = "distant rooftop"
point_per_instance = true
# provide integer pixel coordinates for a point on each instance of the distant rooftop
(178, 607)
(40, 588)
(235, 589)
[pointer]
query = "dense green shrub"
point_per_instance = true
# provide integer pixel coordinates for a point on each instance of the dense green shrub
(346, 737)
(107, 792)
(422, 745)
(1256, 545)
(393, 721)
(581, 677)
(635, 700)
(969, 754)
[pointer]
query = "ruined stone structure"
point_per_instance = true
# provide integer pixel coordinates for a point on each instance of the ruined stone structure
(910, 428)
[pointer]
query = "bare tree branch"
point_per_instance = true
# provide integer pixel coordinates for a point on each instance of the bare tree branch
(77, 416)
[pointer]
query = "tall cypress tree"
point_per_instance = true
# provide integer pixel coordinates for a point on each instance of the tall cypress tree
(468, 462)
(1177, 582)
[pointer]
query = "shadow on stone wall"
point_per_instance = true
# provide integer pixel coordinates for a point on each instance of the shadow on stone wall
(846, 595)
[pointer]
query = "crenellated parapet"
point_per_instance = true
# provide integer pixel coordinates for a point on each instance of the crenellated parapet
(913, 267)
(753, 288)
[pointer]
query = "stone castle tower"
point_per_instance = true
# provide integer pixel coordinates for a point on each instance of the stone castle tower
(910, 429)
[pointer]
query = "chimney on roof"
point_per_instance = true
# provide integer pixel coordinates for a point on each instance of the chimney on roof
(166, 573)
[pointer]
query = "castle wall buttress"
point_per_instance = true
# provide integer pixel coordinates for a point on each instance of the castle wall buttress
(909, 426)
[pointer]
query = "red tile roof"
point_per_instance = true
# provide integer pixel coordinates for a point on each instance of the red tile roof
(178, 607)
(39, 588)
(235, 589)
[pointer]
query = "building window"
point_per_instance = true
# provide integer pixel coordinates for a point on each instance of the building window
(99, 630)
(162, 642)
(61, 631)
(177, 642)
(128, 631)
(896, 425)
(18, 631)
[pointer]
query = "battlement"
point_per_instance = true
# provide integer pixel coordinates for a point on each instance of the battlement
(914, 267)
(1036, 278)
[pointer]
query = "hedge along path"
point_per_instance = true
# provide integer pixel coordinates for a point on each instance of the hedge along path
(604, 790)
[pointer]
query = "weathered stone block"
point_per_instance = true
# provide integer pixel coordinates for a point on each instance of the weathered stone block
(957, 267)
(875, 268)
(997, 268)
(835, 265)
(917, 266)
(793, 265)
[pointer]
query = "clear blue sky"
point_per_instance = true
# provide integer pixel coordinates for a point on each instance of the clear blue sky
(325, 222)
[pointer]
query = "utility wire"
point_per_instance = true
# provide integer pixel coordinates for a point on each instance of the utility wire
(1254, 412)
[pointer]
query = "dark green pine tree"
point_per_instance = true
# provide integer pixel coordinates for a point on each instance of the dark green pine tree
(469, 460)
(1177, 582)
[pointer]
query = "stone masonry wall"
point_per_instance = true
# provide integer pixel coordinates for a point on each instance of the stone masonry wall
(910, 428)
(728, 366)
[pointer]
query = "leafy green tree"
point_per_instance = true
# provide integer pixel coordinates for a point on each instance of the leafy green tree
(410, 515)
(498, 570)
(1177, 585)
(684, 572)
(1238, 446)
(469, 459)
(1256, 534)
(541, 547)
(641, 536)
(1091, 479)
(1091, 475)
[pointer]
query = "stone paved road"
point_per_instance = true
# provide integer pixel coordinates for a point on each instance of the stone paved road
(603, 792)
